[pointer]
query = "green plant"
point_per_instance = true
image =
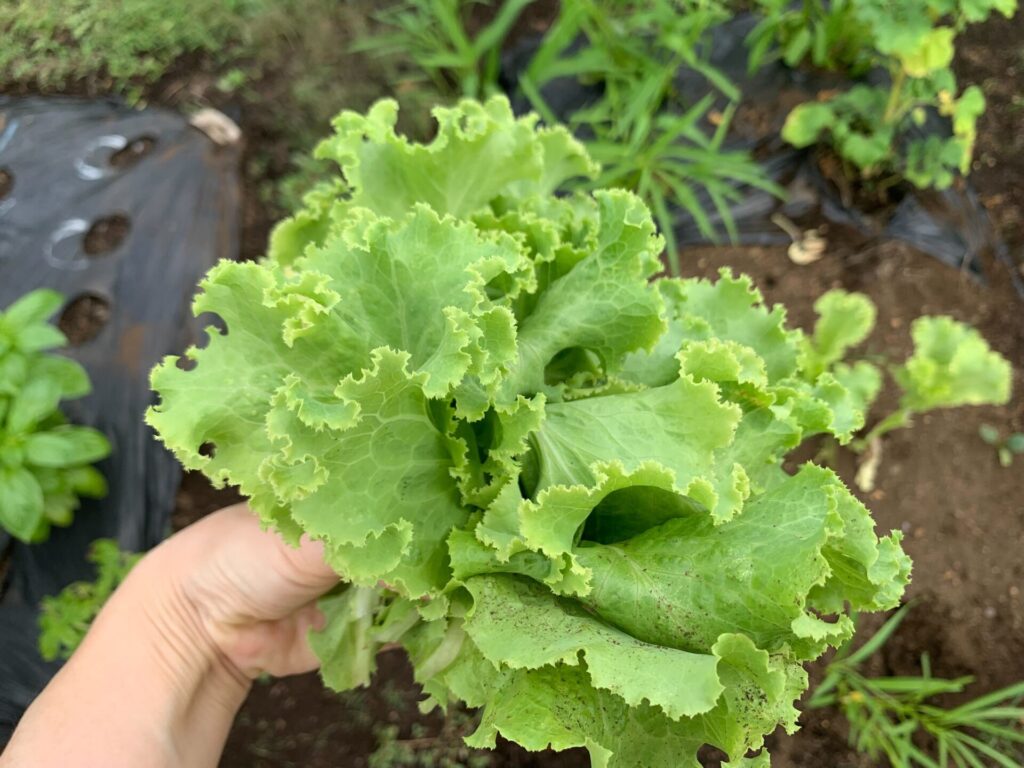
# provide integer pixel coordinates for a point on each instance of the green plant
(647, 137)
(44, 462)
(438, 40)
(951, 365)
(825, 33)
(293, 53)
(509, 438)
(105, 44)
(445, 750)
(889, 715)
(873, 127)
(66, 617)
(1007, 448)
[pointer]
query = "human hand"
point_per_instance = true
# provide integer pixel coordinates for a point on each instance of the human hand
(252, 595)
(162, 672)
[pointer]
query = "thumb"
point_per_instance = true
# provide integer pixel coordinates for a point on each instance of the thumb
(306, 565)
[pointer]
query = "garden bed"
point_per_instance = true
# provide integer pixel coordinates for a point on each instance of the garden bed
(939, 483)
(962, 513)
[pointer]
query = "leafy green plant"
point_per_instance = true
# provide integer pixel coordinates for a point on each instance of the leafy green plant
(951, 365)
(889, 715)
(44, 461)
(508, 438)
(646, 136)
(1008, 447)
(445, 750)
(872, 127)
(105, 44)
(825, 33)
(436, 37)
(66, 617)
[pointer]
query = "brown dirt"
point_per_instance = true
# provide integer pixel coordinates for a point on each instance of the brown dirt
(991, 55)
(106, 234)
(83, 318)
(6, 183)
(132, 152)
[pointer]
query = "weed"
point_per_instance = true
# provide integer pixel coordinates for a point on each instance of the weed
(421, 750)
(1007, 447)
(107, 45)
(646, 134)
(435, 36)
(891, 717)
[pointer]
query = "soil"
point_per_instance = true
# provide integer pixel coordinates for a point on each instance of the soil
(105, 235)
(83, 318)
(961, 512)
(992, 56)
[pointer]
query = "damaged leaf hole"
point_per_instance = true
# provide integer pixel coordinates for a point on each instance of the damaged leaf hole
(84, 317)
(106, 234)
(207, 325)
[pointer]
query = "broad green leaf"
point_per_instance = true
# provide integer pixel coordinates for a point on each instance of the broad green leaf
(66, 446)
(21, 503)
(39, 337)
(70, 375)
(844, 320)
(36, 401)
(721, 590)
(87, 481)
(805, 123)
(952, 365)
(680, 425)
(557, 705)
(31, 309)
(519, 624)
(933, 51)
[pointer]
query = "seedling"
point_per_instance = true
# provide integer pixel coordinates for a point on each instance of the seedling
(1007, 447)
(65, 618)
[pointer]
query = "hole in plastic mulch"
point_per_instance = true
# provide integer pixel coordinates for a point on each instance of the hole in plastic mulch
(84, 317)
(132, 152)
(106, 234)
(6, 182)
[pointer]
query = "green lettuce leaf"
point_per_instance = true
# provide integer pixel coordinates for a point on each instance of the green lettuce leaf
(554, 479)
(952, 365)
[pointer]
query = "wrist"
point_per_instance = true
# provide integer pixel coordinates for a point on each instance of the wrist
(155, 602)
(173, 687)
